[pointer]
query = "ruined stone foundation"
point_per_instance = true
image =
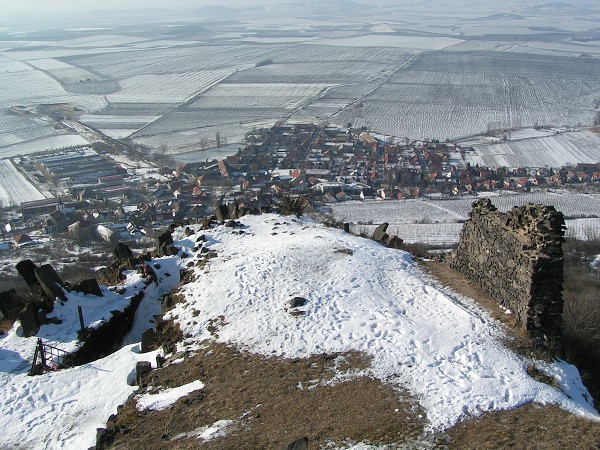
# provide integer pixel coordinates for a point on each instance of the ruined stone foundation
(516, 258)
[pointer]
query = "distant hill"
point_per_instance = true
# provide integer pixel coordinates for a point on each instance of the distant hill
(501, 16)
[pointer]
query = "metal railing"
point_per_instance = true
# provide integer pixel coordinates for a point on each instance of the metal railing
(48, 358)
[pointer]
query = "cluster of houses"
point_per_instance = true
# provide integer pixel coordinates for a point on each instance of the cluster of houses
(329, 164)
(337, 164)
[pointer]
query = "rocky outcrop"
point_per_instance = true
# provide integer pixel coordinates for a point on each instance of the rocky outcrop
(10, 304)
(517, 258)
(108, 337)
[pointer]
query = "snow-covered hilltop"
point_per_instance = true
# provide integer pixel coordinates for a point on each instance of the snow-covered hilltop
(292, 288)
(362, 296)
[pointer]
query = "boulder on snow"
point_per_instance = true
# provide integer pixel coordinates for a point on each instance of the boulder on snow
(142, 368)
(164, 239)
(89, 286)
(394, 242)
(296, 302)
(379, 234)
(149, 341)
(29, 320)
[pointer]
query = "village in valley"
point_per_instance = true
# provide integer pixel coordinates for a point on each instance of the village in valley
(96, 194)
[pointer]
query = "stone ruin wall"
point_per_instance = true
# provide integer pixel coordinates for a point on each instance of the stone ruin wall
(516, 258)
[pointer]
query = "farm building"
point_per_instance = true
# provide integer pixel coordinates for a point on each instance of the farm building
(77, 167)
(45, 206)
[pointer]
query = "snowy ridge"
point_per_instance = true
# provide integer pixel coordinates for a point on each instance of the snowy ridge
(361, 296)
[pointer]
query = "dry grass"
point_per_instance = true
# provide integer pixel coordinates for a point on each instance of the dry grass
(273, 402)
(529, 427)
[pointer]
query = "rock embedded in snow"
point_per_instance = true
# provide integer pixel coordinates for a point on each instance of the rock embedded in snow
(296, 302)
(89, 286)
(142, 368)
(379, 234)
(149, 341)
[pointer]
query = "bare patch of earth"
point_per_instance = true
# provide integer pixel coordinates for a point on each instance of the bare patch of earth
(272, 402)
(528, 427)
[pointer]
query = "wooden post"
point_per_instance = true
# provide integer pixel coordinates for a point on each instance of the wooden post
(42, 355)
(81, 323)
(35, 357)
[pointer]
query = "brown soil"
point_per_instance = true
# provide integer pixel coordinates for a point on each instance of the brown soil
(273, 402)
(528, 427)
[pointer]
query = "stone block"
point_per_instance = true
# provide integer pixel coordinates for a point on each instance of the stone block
(89, 286)
(142, 368)
(122, 252)
(379, 233)
(26, 269)
(51, 283)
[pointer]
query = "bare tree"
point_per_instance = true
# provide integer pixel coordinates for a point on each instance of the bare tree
(218, 138)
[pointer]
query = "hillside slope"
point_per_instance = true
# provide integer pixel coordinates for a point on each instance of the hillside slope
(443, 349)
(370, 350)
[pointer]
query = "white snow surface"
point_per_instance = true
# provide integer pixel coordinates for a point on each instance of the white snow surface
(217, 429)
(441, 347)
(167, 397)
(14, 187)
(62, 410)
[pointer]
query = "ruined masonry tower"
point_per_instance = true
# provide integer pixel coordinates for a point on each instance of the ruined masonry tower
(516, 258)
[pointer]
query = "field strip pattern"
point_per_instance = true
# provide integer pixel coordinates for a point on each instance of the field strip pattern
(14, 187)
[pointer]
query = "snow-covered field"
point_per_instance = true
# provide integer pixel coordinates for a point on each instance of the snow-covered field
(14, 187)
(438, 222)
(65, 72)
(41, 145)
(167, 88)
(379, 40)
(551, 151)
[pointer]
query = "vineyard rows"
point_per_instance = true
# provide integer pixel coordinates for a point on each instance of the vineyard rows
(450, 95)
(572, 205)
(167, 88)
(552, 151)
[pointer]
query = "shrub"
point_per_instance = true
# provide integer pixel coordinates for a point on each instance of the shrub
(293, 205)
(581, 312)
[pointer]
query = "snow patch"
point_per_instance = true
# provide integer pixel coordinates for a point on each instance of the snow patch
(166, 398)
